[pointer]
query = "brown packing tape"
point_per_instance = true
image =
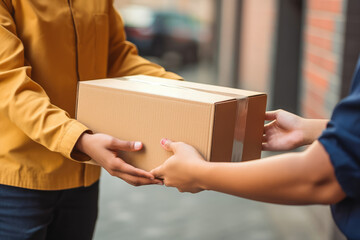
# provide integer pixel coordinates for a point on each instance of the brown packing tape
(240, 126)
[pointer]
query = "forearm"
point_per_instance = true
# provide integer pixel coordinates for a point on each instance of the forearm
(24, 104)
(295, 178)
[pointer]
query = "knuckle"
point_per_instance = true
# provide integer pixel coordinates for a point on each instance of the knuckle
(112, 173)
(112, 166)
(178, 145)
(166, 183)
(129, 145)
(136, 183)
(113, 141)
(169, 184)
(115, 166)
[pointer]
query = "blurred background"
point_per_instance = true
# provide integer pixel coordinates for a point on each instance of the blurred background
(302, 53)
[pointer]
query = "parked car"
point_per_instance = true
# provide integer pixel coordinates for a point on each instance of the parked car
(157, 33)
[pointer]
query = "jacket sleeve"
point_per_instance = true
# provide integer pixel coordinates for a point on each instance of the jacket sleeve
(24, 103)
(123, 55)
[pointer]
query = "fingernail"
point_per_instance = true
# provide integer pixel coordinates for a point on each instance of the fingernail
(137, 145)
(163, 141)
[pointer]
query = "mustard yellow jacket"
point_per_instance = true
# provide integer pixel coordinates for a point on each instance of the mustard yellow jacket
(46, 47)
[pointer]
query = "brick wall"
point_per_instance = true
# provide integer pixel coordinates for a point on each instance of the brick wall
(323, 48)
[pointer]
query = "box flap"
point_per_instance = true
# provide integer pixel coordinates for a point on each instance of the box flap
(193, 85)
(165, 90)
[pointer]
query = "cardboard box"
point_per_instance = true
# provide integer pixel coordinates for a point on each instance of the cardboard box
(223, 124)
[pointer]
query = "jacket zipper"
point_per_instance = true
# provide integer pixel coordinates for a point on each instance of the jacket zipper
(76, 41)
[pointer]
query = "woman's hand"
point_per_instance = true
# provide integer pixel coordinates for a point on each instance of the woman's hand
(288, 131)
(103, 149)
(181, 169)
(284, 132)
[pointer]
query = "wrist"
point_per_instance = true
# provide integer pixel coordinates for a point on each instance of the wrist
(202, 174)
(307, 133)
(313, 129)
(83, 142)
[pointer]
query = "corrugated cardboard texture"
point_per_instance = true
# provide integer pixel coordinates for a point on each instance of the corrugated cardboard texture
(147, 111)
(253, 111)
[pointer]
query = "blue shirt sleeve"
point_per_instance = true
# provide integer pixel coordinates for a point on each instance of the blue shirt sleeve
(341, 139)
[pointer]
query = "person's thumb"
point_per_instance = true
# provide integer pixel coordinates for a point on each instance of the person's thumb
(167, 144)
(271, 115)
(126, 145)
(157, 172)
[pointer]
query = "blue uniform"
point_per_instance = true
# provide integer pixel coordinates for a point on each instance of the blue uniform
(341, 140)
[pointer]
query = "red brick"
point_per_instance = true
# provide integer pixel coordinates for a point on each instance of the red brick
(310, 111)
(319, 41)
(316, 79)
(321, 23)
(316, 96)
(322, 62)
(334, 6)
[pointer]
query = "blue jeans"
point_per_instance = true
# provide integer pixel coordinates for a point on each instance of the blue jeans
(33, 214)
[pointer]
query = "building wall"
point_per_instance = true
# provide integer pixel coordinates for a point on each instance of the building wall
(227, 42)
(330, 45)
(257, 39)
(322, 65)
